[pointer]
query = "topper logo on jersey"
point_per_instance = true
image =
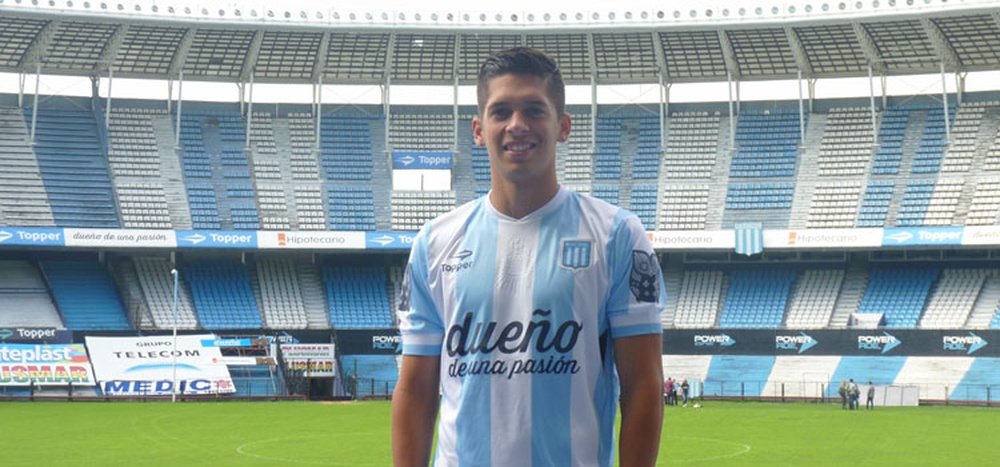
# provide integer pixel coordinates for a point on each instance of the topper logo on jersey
(463, 262)
(539, 336)
(885, 342)
(575, 254)
(968, 344)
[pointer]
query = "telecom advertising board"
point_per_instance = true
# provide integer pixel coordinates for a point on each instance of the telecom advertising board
(144, 366)
(45, 365)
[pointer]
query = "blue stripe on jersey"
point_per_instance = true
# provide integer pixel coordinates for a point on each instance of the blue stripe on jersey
(553, 290)
(476, 284)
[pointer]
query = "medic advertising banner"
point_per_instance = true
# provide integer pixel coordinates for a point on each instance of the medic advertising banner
(134, 366)
(313, 360)
(45, 365)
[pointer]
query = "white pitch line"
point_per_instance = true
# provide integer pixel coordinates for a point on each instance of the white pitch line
(745, 448)
(241, 450)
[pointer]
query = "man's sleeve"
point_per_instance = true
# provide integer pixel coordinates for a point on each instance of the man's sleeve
(636, 300)
(419, 318)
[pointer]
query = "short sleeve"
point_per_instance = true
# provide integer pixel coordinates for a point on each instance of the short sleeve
(420, 321)
(636, 298)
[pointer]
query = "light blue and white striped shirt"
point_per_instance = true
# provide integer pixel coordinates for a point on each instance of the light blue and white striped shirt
(523, 313)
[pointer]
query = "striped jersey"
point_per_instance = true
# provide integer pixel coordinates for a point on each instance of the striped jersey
(522, 313)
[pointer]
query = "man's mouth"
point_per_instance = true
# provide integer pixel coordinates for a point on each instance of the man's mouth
(518, 147)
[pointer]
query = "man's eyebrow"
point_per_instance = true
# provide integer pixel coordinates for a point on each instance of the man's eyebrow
(537, 102)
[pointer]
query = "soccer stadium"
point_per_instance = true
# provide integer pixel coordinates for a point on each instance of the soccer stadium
(820, 180)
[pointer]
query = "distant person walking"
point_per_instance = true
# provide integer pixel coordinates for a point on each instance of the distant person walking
(669, 394)
(870, 400)
(855, 394)
(685, 388)
(843, 390)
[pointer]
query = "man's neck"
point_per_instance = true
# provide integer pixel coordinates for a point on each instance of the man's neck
(519, 200)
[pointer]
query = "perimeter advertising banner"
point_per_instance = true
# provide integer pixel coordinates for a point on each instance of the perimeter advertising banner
(313, 360)
(45, 365)
(36, 335)
(131, 366)
(853, 342)
(370, 341)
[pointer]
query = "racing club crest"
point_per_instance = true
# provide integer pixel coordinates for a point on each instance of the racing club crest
(645, 277)
(575, 254)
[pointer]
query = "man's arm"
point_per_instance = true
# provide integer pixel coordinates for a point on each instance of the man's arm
(414, 409)
(640, 369)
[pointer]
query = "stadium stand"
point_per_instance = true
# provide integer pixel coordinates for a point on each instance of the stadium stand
(223, 295)
(358, 296)
(756, 299)
(899, 293)
(700, 297)
(158, 290)
(280, 294)
(813, 299)
(73, 168)
(85, 295)
(26, 300)
(411, 209)
(23, 199)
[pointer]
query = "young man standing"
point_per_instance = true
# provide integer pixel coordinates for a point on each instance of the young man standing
(528, 313)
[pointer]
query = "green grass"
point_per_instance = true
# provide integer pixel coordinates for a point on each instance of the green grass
(357, 434)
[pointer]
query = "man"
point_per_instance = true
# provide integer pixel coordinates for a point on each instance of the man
(668, 392)
(855, 393)
(843, 391)
(527, 306)
(870, 400)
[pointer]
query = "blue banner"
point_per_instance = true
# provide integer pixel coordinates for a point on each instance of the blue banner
(922, 236)
(421, 160)
(31, 236)
(389, 240)
(216, 239)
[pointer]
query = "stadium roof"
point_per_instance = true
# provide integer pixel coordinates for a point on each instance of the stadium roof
(69, 41)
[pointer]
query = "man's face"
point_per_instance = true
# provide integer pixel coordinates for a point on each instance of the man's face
(519, 126)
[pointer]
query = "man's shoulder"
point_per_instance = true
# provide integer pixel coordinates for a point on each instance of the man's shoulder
(592, 204)
(451, 222)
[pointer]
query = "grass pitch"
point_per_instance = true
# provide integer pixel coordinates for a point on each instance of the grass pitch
(357, 434)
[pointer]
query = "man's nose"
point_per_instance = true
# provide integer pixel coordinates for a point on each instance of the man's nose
(518, 123)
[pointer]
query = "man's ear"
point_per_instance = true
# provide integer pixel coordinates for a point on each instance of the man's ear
(477, 132)
(565, 122)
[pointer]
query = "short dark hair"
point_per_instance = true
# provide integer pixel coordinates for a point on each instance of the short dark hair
(522, 61)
